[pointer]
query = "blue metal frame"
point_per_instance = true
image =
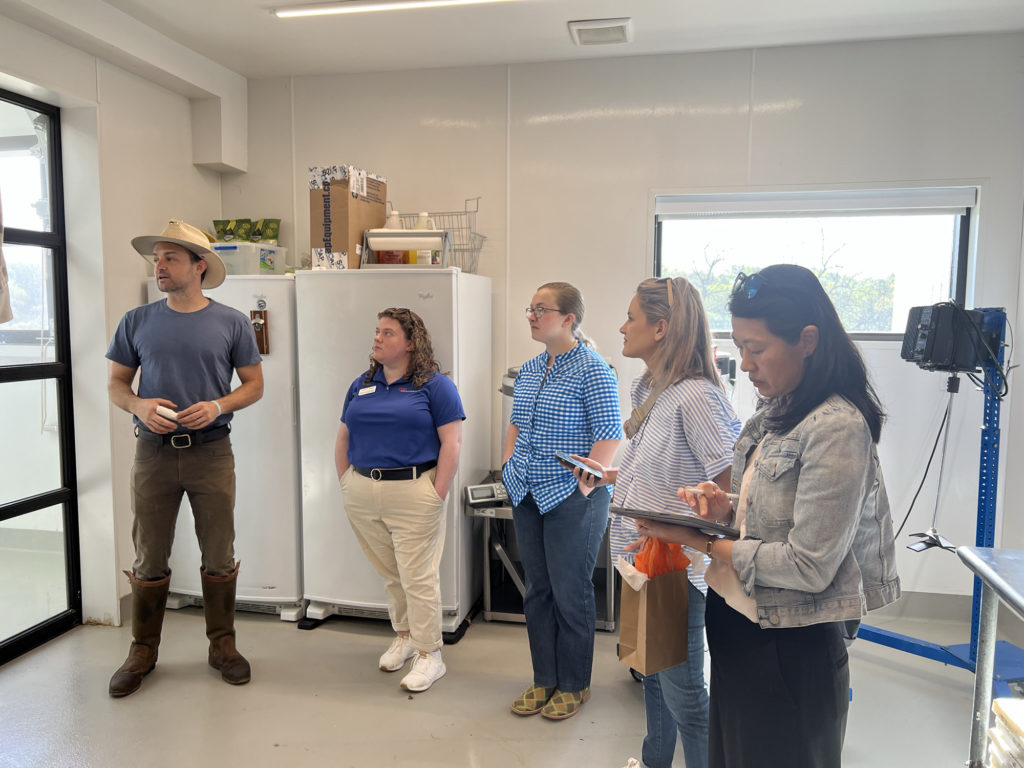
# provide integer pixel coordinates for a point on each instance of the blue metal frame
(1009, 664)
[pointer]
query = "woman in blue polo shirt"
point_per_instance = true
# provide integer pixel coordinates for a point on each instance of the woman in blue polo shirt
(396, 455)
(565, 399)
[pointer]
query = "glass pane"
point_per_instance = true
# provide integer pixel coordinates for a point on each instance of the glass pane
(875, 268)
(28, 336)
(33, 584)
(30, 449)
(24, 162)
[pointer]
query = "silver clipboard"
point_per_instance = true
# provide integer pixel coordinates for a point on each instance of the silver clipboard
(677, 518)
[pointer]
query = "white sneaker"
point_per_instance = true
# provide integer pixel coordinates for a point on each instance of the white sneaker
(427, 669)
(399, 652)
(632, 763)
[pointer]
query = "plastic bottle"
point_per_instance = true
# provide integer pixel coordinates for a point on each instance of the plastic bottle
(394, 221)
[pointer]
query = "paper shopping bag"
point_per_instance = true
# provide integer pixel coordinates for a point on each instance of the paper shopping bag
(652, 622)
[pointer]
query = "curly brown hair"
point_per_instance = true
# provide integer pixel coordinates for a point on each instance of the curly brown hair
(422, 365)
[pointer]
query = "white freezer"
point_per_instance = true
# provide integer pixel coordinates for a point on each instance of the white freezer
(337, 314)
(265, 442)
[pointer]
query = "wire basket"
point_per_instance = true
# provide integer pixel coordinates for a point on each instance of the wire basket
(461, 226)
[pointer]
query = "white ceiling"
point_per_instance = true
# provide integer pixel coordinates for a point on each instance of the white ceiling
(244, 36)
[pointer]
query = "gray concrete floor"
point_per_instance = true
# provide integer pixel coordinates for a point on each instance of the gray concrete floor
(317, 698)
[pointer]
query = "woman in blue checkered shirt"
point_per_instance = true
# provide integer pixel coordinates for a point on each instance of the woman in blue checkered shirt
(565, 399)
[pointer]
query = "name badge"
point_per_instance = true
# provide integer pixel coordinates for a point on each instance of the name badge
(368, 390)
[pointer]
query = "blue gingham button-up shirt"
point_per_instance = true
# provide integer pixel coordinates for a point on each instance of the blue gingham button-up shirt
(568, 407)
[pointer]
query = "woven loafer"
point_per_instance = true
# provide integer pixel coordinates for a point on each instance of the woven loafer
(563, 705)
(532, 700)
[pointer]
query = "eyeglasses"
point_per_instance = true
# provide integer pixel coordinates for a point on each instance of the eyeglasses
(538, 312)
(748, 285)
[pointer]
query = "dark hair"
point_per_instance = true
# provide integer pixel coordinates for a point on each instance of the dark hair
(788, 298)
(196, 258)
(422, 365)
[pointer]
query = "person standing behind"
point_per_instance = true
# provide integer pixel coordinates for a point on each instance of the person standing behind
(396, 453)
(565, 399)
(816, 546)
(187, 347)
(681, 432)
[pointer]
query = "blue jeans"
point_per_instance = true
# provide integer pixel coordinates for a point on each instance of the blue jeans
(559, 551)
(676, 700)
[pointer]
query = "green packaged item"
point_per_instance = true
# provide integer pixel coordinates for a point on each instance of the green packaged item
(228, 230)
(265, 231)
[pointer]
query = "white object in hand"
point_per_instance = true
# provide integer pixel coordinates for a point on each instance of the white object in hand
(167, 413)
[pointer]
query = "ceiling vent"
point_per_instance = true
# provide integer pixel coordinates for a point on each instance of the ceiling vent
(601, 31)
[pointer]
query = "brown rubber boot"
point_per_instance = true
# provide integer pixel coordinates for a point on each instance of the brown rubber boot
(219, 606)
(149, 599)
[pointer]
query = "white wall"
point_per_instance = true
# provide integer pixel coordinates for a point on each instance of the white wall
(576, 151)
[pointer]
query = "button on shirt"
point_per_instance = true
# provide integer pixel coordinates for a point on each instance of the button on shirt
(568, 407)
(395, 425)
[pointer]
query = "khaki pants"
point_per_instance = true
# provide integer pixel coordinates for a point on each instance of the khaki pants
(160, 475)
(400, 526)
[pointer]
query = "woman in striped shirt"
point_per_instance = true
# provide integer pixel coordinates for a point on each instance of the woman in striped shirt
(681, 432)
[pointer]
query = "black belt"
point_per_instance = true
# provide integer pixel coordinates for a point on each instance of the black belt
(185, 439)
(396, 473)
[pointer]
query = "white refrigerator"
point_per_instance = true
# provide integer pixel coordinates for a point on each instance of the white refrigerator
(337, 314)
(265, 441)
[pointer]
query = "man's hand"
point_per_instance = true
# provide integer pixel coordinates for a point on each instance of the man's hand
(198, 416)
(145, 409)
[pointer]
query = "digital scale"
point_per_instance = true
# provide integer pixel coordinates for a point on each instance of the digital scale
(486, 495)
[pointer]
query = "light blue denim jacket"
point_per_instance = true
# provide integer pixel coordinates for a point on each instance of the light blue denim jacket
(819, 543)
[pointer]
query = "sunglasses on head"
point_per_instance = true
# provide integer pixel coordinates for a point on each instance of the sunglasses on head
(748, 285)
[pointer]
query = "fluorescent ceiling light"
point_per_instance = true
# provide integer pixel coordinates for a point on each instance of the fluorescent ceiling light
(370, 6)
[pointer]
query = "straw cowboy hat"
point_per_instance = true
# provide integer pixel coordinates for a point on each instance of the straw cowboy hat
(191, 239)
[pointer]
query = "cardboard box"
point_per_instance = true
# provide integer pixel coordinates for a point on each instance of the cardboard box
(343, 203)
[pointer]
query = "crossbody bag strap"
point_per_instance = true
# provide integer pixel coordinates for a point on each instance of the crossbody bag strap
(640, 414)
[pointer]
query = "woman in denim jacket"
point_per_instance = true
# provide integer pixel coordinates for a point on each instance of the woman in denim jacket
(816, 546)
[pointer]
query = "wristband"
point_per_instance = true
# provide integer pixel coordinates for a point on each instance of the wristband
(219, 411)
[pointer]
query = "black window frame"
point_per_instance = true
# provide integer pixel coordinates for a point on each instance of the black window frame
(66, 496)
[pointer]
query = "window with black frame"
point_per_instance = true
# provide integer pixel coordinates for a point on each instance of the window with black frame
(40, 592)
(877, 252)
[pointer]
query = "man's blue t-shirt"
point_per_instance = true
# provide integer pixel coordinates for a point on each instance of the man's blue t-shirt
(185, 357)
(395, 425)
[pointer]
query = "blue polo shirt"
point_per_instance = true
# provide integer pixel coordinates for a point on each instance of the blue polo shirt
(568, 407)
(395, 425)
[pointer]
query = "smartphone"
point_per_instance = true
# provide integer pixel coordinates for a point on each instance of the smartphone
(569, 462)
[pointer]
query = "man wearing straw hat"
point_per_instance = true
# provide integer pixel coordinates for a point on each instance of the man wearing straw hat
(187, 347)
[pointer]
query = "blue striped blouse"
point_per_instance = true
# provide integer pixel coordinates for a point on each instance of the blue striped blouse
(687, 438)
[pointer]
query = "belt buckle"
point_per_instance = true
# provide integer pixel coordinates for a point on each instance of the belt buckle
(376, 474)
(187, 444)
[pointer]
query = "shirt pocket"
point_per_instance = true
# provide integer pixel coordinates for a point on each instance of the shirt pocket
(778, 471)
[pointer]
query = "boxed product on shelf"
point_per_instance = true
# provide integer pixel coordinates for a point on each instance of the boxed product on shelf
(343, 203)
(251, 258)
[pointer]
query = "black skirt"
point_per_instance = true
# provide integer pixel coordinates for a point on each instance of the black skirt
(779, 697)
